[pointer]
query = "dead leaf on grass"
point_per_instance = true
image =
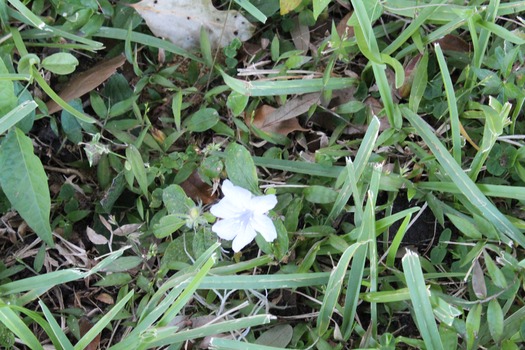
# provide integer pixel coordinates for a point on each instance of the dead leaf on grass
(198, 190)
(300, 35)
(283, 120)
(453, 43)
(180, 22)
(410, 69)
(343, 29)
(84, 82)
(85, 326)
(105, 298)
(126, 230)
(94, 237)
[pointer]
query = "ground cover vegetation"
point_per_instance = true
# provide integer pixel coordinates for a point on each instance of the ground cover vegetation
(376, 145)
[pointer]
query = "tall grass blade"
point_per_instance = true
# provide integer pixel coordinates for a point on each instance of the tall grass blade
(463, 182)
(452, 104)
(422, 309)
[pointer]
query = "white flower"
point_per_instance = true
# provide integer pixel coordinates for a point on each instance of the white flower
(243, 215)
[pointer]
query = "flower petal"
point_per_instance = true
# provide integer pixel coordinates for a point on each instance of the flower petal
(262, 204)
(239, 194)
(226, 229)
(227, 208)
(243, 238)
(264, 225)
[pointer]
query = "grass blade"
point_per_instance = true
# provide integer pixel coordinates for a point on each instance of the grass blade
(102, 323)
(421, 302)
(55, 327)
(462, 181)
(452, 104)
(333, 289)
(287, 87)
(15, 324)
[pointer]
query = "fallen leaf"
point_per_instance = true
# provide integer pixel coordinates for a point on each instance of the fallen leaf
(453, 43)
(180, 22)
(300, 35)
(343, 29)
(197, 189)
(85, 326)
(94, 237)
(410, 69)
(126, 230)
(105, 298)
(283, 119)
(87, 81)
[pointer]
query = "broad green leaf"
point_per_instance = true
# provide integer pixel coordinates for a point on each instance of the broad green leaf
(24, 182)
(202, 120)
(60, 63)
(319, 6)
(137, 168)
(175, 200)
(495, 320)
(237, 103)
(167, 225)
(466, 226)
(16, 114)
(7, 91)
(240, 168)
(472, 325)
(71, 124)
(320, 194)
(497, 277)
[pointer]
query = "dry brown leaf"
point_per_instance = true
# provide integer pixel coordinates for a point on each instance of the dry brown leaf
(404, 90)
(84, 82)
(128, 229)
(453, 43)
(300, 35)
(283, 120)
(180, 22)
(197, 189)
(105, 298)
(85, 325)
(343, 29)
(94, 237)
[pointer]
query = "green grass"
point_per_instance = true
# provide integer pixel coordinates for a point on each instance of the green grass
(399, 177)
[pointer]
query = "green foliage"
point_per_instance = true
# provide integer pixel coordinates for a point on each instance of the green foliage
(24, 182)
(414, 140)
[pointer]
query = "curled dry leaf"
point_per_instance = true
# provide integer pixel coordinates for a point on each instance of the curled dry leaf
(94, 237)
(126, 230)
(283, 120)
(87, 81)
(180, 22)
